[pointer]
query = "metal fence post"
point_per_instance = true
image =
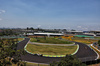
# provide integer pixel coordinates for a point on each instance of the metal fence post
(85, 60)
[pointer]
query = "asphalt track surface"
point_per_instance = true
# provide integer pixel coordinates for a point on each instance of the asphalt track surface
(85, 53)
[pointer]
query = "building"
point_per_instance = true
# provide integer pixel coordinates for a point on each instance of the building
(74, 32)
(92, 33)
(48, 34)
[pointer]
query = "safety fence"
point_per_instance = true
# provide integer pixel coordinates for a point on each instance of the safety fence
(92, 62)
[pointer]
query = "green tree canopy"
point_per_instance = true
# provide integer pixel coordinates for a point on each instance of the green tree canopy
(8, 50)
(69, 60)
(99, 42)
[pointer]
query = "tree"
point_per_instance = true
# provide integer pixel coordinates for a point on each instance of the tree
(73, 30)
(8, 32)
(32, 28)
(69, 60)
(7, 51)
(27, 28)
(99, 42)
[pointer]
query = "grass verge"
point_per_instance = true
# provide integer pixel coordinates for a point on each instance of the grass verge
(50, 40)
(51, 50)
(20, 39)
(82, 40)
(35, 64)
(97, 38)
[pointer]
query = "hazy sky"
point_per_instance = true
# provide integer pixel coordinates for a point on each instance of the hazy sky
(68, 14)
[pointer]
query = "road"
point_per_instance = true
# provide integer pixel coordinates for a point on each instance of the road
(84, 53)
(51, 44)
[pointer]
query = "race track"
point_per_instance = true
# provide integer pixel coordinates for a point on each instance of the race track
(85, 53)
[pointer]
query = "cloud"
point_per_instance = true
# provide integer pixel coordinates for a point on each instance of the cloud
(2, 11)
(38, 25)
(0, 19)
(79, 26)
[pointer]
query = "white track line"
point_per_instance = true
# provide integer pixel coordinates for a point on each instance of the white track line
(95, 51)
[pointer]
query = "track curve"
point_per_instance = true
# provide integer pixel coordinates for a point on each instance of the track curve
(84, 53)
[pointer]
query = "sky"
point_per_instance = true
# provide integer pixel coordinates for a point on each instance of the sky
(50, 14)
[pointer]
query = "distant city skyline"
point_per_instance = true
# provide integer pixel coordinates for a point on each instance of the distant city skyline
(50, 14)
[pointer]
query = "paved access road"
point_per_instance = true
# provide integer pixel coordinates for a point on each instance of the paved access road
(83, 53)
(51, 44)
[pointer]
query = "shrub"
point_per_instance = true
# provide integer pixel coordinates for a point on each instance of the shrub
(69, 60)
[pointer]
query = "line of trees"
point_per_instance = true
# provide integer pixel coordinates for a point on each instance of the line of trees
(8, 32)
